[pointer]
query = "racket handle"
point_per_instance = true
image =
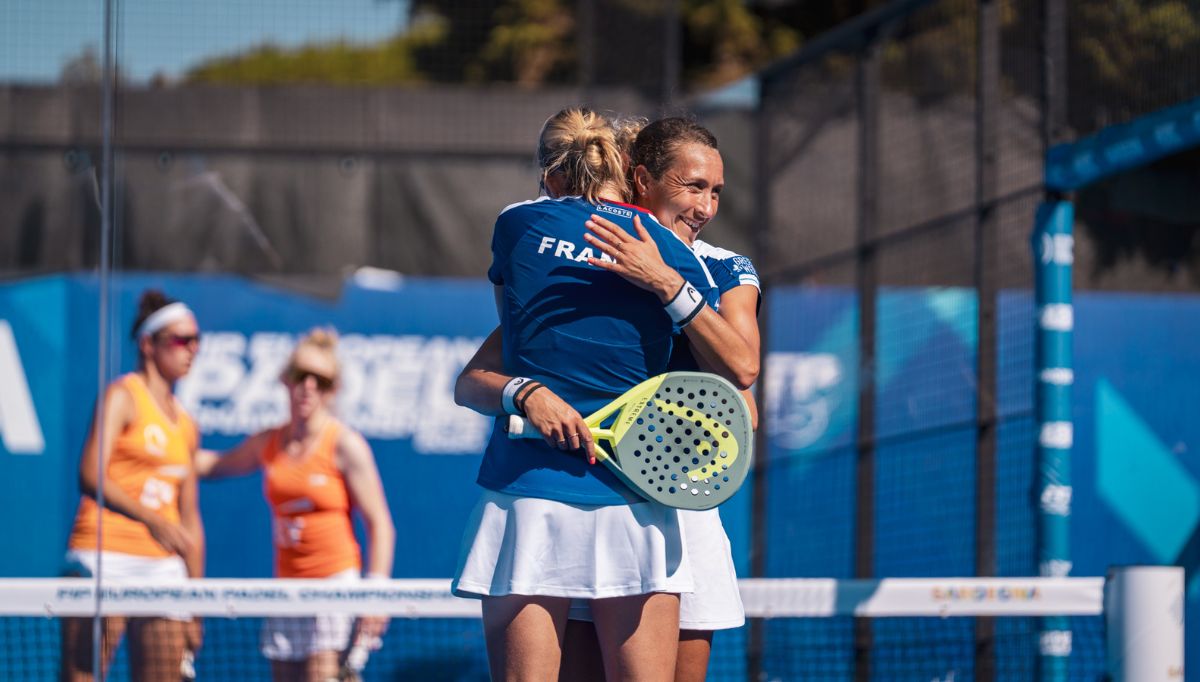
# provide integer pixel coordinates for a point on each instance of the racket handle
(518, 427)
(356, 659)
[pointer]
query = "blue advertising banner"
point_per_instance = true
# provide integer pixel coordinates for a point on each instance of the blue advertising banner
(37, 442)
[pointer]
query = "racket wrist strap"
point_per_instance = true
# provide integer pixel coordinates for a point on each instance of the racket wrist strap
(510, 393)
(685, 306)
(523, 395)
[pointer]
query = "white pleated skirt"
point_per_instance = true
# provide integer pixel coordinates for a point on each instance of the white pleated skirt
(297, 638)
(119, 566)
(716, 601)
(537, 547)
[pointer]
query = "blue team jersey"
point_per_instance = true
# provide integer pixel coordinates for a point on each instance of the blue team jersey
(728, 270)
(584, 332)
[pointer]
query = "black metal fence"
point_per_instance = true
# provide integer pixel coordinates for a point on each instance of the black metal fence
(899, 165)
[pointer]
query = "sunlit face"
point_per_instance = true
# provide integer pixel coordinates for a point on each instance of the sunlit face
(688, 194)
(311, 380)
(173, 348)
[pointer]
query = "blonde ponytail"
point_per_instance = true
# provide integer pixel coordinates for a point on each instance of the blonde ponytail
(581, 147)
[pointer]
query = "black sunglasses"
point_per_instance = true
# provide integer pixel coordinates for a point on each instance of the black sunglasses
(298, 375)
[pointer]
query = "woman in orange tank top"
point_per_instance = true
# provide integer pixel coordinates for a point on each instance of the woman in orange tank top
(316, 471)
(149, 524)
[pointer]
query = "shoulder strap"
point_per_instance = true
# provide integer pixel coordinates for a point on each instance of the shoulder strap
(329, 440)
(271, 447)
(143, 403)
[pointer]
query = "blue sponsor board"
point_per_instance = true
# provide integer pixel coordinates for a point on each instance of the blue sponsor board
(1137, 469)
(38, 439)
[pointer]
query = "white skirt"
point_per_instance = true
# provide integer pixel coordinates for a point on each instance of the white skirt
(537, 547)
(120, 566)
(297, 638)
(128, 567)
(716, 602)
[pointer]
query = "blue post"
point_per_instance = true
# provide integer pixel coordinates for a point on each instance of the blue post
(1053, 247)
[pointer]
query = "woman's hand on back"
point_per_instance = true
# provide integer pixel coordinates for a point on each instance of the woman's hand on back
(637, 259)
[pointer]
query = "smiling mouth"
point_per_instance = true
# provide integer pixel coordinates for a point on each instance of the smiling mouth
(694, 225)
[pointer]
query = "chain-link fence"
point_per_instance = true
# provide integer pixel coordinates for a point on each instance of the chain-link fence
(296, 181)
(888, 196)
(902, 163)
(298, 138)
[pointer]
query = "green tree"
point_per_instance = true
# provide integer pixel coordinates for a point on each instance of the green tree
(1127, 56)
(468, 26)
(389, 62)
(534, 41)
(1130, 58)
(725, 40)
(530, 43)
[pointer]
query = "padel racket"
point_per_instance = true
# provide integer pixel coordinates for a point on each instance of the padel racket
(681, 439)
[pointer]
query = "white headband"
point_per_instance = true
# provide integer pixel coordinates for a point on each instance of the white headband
(168, 314)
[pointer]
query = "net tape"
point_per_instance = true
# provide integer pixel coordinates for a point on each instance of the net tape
(412, 598)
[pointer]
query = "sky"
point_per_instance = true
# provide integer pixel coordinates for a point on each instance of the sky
(168, 36)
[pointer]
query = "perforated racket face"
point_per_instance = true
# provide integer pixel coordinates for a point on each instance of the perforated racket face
(691, 446)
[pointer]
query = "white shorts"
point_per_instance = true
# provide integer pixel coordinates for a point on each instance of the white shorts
(532, 546)
(126, 567)
(295, 639)
(716, 602)
(119, 566)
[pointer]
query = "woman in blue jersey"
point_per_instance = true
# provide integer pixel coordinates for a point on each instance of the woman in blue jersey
(677, 172)
(549, 527)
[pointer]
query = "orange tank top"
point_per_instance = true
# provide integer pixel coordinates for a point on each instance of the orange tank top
(149, 462)
(314, 536)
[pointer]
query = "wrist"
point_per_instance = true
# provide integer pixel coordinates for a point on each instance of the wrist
(668, 287)
(684, 305)
(151, 520)
(509, 394)
(523, 395)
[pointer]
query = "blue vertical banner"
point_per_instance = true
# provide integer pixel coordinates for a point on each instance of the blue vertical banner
(1053, 250)
(35, 439)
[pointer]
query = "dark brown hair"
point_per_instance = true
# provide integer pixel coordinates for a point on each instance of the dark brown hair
(151, 300)
(657, 143)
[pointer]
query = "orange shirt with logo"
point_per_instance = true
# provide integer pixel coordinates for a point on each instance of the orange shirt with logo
(314, 534)
(149, 461)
